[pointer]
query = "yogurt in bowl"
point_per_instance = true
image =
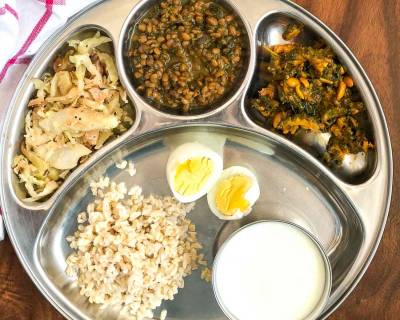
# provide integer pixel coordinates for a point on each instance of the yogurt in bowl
(271, 270)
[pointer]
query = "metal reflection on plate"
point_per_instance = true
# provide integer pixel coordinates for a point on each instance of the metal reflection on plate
(346, 215)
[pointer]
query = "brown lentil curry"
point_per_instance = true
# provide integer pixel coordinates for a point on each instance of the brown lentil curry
(307, 88)
(186, 55)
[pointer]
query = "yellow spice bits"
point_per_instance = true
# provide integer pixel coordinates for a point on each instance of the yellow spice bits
(292, 82)
(341, 91)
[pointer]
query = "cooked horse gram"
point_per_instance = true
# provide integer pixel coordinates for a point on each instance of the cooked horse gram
(307, 89)
(77, 107)
(187, 55)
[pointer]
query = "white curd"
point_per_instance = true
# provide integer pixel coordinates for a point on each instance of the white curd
(270, 270)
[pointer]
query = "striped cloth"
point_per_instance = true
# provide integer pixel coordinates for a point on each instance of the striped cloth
(24, 26)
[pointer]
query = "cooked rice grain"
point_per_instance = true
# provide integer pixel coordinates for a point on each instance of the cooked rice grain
(163, 315)
(121, 165)
(131, 168)
(206, 274)
(132, 251)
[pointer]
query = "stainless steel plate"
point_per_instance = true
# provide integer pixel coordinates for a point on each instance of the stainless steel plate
(347, 217)
(292, 189)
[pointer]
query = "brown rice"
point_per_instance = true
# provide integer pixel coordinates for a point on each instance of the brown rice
(132, 250)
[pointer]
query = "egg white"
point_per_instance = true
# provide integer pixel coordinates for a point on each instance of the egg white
(188, 151)
(251, 195)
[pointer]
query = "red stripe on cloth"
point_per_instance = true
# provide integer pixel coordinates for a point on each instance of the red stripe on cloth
(8, 8)
(33, 35)
(55, 2)
(25, 60)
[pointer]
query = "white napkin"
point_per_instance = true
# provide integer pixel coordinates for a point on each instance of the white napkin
(24, 26)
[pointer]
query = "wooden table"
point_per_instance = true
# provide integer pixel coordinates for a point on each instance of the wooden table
(371, 29)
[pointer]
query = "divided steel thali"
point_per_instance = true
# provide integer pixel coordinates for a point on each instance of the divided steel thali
(329, 171)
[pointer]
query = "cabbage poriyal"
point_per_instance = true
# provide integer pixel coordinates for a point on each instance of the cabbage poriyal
(76, 109)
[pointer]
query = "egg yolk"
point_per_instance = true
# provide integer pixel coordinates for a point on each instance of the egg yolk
(191, 175)
(230, 194)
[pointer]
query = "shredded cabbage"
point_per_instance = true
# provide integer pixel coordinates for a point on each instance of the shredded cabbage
(110, 66)
(87, 45)
(78, 119)
(84, 60)
(76, 110)
(67, 156)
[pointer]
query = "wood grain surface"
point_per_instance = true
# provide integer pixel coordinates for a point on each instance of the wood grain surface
(371, 28)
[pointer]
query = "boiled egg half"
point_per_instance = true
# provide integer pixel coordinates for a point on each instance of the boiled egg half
(234, 193)
(192, 170)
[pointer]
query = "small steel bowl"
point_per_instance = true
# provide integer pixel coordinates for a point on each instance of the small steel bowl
(328, 271)
(126, 69)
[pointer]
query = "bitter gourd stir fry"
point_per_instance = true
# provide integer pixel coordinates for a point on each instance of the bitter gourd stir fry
(76, 109)
(186, 54)
(307, 88)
